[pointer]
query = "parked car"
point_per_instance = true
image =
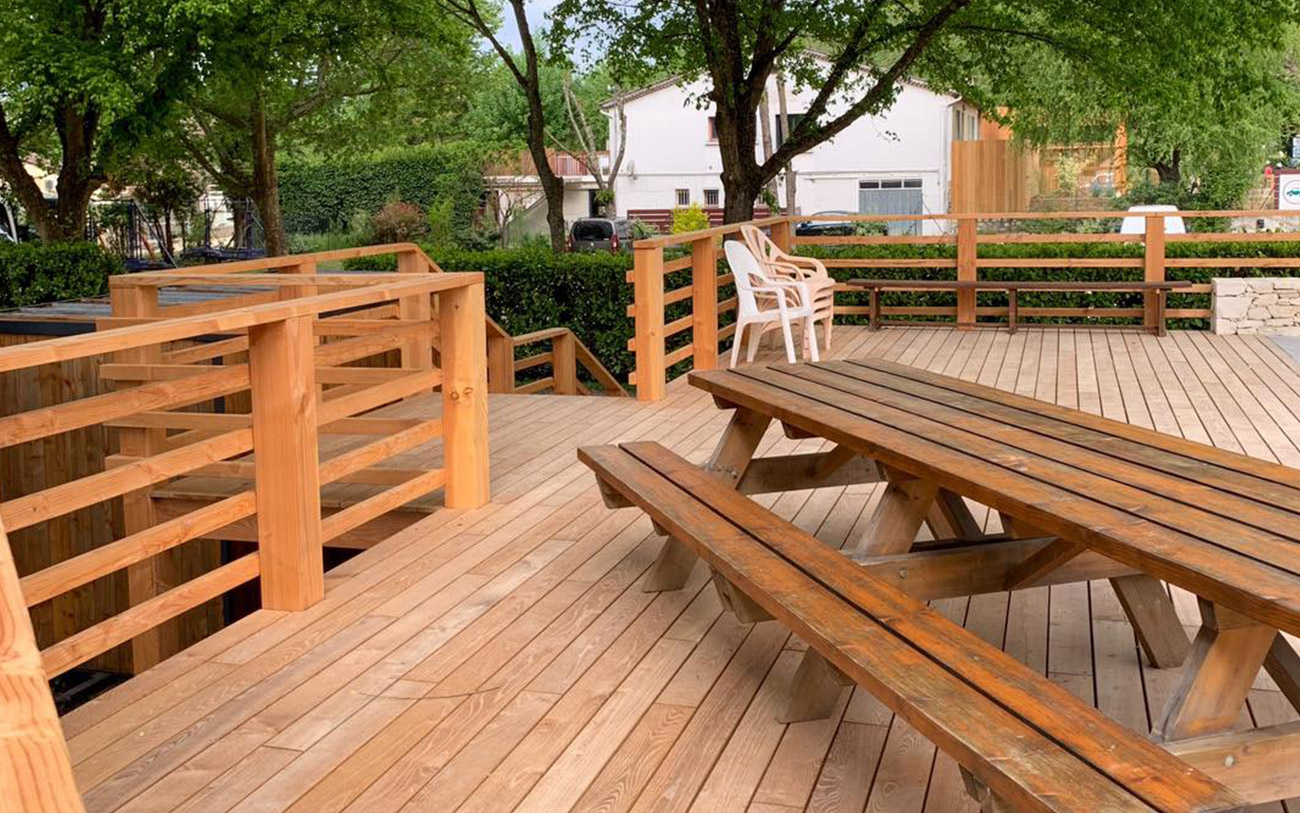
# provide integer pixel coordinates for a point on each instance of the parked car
(826, 228)
(601, 234)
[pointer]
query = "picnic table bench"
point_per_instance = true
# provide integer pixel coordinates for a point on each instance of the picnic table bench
(874, 287)
(1081, 498)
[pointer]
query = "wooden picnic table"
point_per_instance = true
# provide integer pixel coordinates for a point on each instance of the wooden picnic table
(1081, 497)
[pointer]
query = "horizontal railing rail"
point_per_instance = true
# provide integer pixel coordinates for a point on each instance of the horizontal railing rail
(566, 356)
(669, 336)
(172, 406)
(298, 274)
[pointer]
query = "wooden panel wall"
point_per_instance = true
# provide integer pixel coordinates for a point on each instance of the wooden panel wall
(989, 176)
(31, 467)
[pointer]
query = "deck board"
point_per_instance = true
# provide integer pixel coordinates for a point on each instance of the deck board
(506, 658)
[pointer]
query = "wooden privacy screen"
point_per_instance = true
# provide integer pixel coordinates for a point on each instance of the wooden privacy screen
(165, 411)
(654, 332)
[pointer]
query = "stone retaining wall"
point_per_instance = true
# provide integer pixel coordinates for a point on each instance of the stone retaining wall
(1256, 306)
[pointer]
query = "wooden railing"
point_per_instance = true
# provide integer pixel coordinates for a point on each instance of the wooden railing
(654, 331)
(167, 410)
(566, 355)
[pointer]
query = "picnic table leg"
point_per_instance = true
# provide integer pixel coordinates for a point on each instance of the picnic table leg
(815, 690)
(730, 459)
(1012, 307)
(907, 504)
(1283, 665)
(1151, 612)
(950, 518)
(873, 309)
(1160, 311)
(1226, 657)
(1145, 602)
(903, 508)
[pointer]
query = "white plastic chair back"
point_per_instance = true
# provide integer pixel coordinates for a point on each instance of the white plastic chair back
(747, 273)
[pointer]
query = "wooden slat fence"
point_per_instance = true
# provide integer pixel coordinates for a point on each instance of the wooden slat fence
(654, 263)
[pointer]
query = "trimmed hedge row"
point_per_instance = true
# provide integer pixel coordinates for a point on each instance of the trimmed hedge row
(323, 196)
(1053, 250)
(533, 288)
(34, 273)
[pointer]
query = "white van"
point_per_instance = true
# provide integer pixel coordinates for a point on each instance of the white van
(1138, 225)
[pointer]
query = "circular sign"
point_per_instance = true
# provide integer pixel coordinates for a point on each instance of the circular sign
(1289, 194)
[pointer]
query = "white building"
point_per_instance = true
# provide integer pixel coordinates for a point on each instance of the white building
(896, 163)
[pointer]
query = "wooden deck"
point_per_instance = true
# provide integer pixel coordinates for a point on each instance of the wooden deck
(506, 658)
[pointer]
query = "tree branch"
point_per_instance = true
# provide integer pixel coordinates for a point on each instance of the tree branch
(806, 136)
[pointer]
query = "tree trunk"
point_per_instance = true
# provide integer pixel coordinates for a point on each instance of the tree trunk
(266, 183)
(552, 185)
(738, 205)
(65, 220)
(765, 127)
(1170, 172)
(785, 128)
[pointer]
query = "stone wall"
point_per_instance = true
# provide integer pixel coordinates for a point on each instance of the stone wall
(1256, 306)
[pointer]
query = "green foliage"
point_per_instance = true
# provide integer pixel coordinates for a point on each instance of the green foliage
(1204, 99)
(689, 218)
(319, 196)
(442, 225)
(109, 71)
(534, 288)
(327, 241)
(31, 274)
(641, 230)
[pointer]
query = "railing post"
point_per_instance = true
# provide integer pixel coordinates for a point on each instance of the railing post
(34, 755)
(704, 308)
(294, 291)
(1153, 266)
(160, 572)
(780, 234)
(464, 396)
(564, 363)
(282, 369)
(417, 352)
(648, 287)
(500, 360)
(967, 249)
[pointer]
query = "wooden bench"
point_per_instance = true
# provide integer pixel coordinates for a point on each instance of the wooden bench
(1023, 742)
(874, 287)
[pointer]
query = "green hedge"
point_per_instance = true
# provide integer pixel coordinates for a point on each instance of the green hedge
(532, 289)
(1053, 250)
(33, 273)
(320, 196)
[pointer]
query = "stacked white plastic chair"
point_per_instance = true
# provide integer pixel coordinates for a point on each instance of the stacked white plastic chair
(763, 303)
(779, 265)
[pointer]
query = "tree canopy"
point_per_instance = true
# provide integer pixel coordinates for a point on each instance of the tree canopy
(852, 55)
(81, 85)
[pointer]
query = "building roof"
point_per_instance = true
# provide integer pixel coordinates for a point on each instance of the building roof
(676, 79)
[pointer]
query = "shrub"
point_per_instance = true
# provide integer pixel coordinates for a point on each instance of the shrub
(442, 226)
(319, 196)
(399, 222)
(533, 288)
(689, 218)
(32, 273)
